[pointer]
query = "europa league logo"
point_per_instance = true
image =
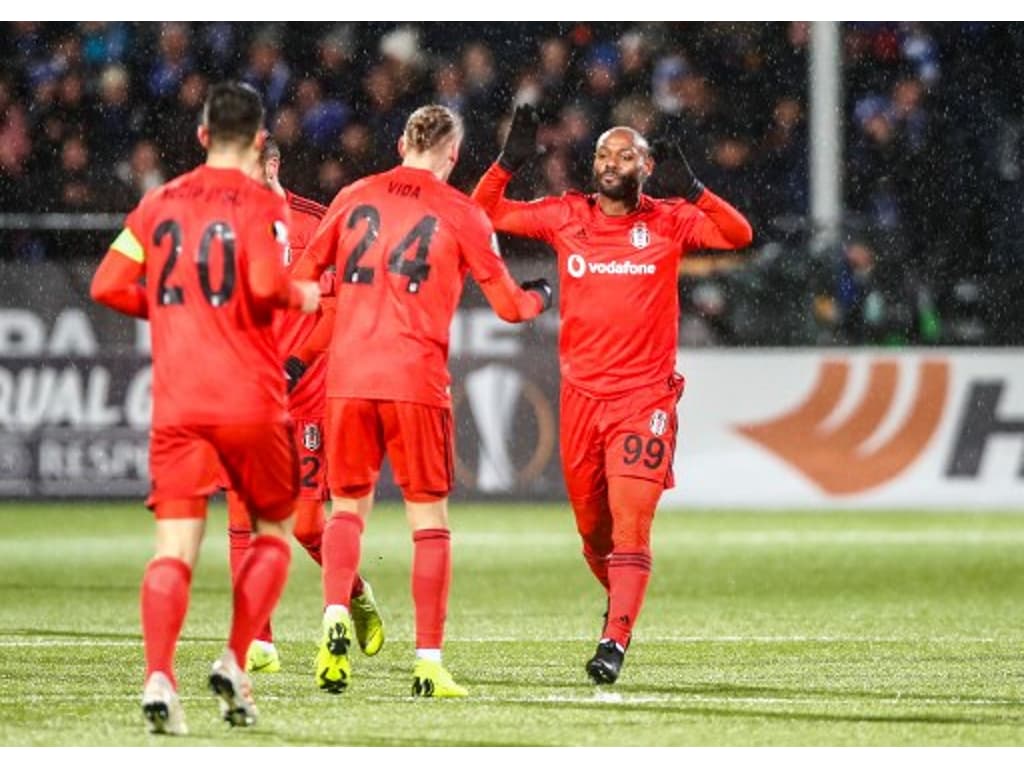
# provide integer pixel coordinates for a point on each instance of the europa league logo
(493, 395)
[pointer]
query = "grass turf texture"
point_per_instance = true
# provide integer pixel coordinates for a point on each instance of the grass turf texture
(759, 629)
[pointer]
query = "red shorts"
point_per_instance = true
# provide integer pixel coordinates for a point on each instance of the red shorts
(309, 444)
(633, 435)
(417, 439)
(258, 459)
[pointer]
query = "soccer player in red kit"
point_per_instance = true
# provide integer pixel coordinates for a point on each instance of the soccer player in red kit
(210, 246)
(302, 340)
(618, 256)
(403, 242)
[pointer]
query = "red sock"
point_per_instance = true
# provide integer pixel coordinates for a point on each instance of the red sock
(628, 572)
(164, 603)
(594, 523)
(240, 541)
(309, 527)
(598, 565)
(342, 543)
(431, 575)
(257, 590)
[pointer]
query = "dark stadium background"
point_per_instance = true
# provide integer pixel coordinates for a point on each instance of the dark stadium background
(94, 113)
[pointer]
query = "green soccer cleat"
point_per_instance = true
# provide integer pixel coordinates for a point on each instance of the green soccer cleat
(368, 622)
(333, 668)
(262, 657)
(162, 708)
(431, 680)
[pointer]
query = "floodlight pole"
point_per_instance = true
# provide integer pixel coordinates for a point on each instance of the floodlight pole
(826, 133)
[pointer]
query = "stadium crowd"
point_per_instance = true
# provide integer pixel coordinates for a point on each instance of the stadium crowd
(94, 114)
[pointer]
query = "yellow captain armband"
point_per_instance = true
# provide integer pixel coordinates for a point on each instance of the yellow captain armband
(130, 246)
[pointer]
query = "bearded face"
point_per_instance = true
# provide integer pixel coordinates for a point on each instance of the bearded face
(618, 184)
(620, 166)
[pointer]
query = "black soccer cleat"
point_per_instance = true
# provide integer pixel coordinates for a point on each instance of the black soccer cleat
(606, 664)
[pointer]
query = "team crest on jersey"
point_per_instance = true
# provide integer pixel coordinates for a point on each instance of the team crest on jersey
(659, 421)
(639, 236)
(311, 437)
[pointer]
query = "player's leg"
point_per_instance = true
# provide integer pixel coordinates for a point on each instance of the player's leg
(641, 446)
(181, 468)
(583, 469)
(309, 528)
(262, 654)
(355, 451)
(309, 508)
(420, 446)
(262, 466)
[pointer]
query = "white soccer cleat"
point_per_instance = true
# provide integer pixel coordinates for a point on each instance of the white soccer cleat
(162, 708)
(232, 686)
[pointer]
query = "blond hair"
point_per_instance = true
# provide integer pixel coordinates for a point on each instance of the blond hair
(430, 126)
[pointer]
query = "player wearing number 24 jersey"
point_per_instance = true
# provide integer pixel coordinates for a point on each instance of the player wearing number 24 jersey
(210, 245)
(618, 256)
(402, 243)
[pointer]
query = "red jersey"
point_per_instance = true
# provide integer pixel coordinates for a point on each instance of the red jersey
(619, 301)
(198, 238)
(402, 242)
(293, 327)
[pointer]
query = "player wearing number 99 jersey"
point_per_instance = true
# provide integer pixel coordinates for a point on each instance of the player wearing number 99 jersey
(618, 255)
(402, 243)
(210, 245)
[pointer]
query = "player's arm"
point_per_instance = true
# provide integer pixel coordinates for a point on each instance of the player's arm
(321, 250)
(527, 219)
(721, 226)
(269, 283)
(314, 345)
(512, 303)
(116, 282)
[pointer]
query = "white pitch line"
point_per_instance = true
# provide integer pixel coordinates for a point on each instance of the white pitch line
(687, 639)
(611, 698)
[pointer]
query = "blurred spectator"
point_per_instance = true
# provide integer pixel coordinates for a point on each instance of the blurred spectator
(92, 113)
(114, 116)
(385, 115)
(322, 119)
(140, 173)
(267, 71)
(335, 54)
(72, 186)
(173, 61)
(448, 91)
(175, 126)
(635, 70)
(103, 42)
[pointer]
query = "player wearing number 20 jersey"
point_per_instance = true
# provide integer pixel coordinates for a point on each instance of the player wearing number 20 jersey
(210, 246)
(402, 243)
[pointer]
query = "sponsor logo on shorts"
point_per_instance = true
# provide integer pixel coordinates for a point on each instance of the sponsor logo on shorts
(311, 437)
(659, 422)
(639, 237)
(577, 266)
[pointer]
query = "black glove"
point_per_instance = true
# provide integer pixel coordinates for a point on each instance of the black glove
(293, 369)
(521, 142)
(542, 288)
(668, 150)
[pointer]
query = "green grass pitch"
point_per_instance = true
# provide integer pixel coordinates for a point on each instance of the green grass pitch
(841, 628)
